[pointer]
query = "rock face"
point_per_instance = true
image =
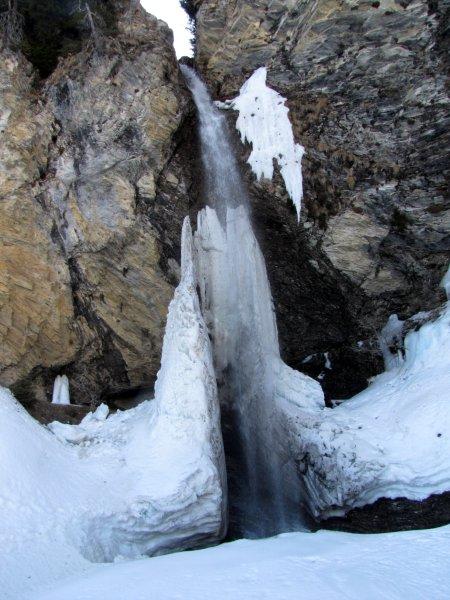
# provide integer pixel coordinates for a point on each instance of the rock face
(365, 83)
(92, 197)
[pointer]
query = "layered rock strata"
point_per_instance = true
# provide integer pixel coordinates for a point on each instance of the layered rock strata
(366, 89)
(93, 193)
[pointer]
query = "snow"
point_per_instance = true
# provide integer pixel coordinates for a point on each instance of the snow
(292, 566)
(391, 440)
(264, 122)
(61, 394)
(144, 481)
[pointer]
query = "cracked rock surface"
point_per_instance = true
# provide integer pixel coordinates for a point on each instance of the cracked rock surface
(92, 197)
(366, 89)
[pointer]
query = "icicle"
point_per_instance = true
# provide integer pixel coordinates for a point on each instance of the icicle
(61, 394)
(264, 122)
(390, 341)
(445, 283)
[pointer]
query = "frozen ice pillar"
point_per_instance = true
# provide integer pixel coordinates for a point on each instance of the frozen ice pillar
(187, 427)
(61, 394)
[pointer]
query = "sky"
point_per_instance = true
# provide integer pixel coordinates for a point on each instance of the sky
(171, 12)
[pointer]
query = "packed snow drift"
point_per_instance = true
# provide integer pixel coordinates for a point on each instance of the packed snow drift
(264, 122)
(292, 566)
(140, 482)
(392, 440)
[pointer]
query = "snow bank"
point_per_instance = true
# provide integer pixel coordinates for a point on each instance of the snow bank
(144, 481)
(264, 122)
(391, 440)
(292, 566)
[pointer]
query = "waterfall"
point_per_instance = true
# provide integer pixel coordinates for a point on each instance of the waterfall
(238, 309)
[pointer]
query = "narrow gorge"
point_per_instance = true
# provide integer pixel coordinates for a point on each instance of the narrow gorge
(224, 279)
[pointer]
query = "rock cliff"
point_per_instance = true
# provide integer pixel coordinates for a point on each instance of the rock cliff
(93, 192)
(99, 166)
(366, 89)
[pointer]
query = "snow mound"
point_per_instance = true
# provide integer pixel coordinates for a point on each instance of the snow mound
(392, 440)
(292, 566)
(264, 122)
(140, 482)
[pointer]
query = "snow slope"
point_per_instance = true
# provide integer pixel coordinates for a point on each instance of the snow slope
(292, 566)
(391, 440)
(264, 122)
(138, 482)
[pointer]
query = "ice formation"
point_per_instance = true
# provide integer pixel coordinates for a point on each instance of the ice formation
(390, 342)
(391, 440)
(61, 394)
(445, 283)
(264, 122)
(237, 306)
(139, 482)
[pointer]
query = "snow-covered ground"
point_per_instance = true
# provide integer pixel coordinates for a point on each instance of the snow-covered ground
(143, 481)
(293, 566)
(264, 122)
(392, 440)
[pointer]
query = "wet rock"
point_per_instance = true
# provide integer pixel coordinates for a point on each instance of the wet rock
(400, 514)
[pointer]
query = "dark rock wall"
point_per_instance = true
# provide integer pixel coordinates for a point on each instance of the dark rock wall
(366, 84)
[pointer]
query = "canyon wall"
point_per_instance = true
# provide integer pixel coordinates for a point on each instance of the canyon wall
(99, 164)
(93, 192)
(366, 88)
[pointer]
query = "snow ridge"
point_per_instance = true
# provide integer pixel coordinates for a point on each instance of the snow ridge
(264, 122)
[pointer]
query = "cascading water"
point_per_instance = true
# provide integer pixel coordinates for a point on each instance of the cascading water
(238, 309)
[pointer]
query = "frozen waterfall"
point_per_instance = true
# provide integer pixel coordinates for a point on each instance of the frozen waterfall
(237, 306)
